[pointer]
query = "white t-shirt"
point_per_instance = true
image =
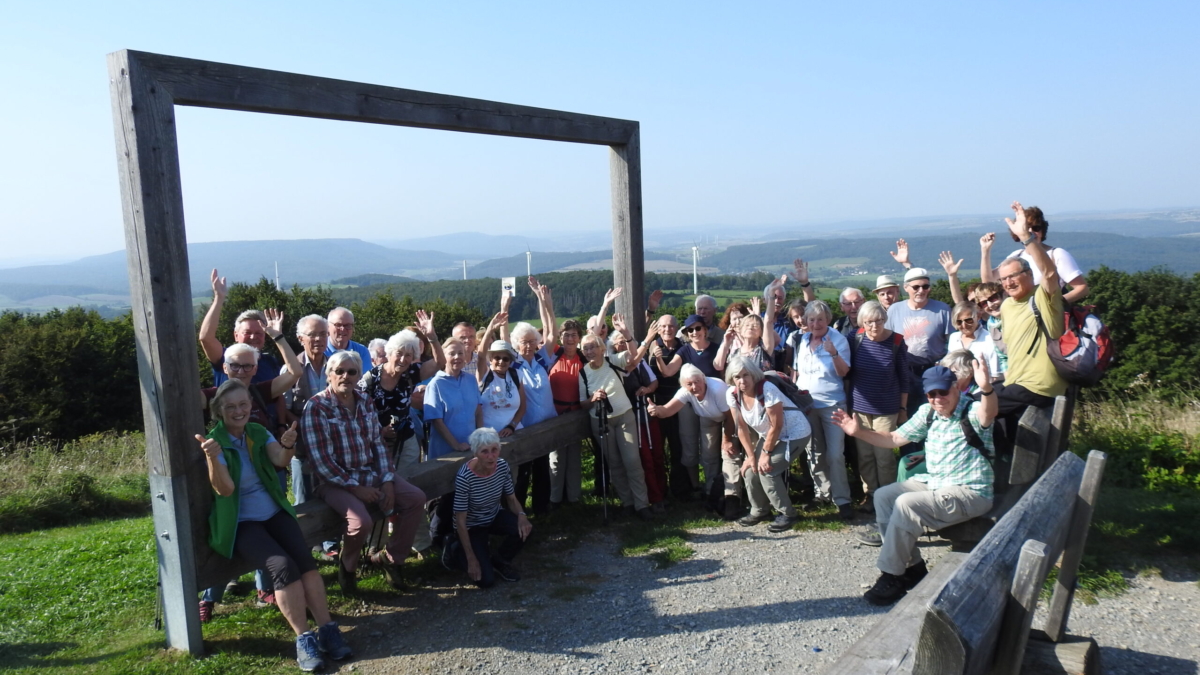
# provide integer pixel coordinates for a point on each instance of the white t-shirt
(714, 406)
(500, 399)
(983, 348)
(795, 424)
(1064, 262)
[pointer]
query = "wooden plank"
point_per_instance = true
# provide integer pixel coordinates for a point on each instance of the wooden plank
(1081, 521)
(629, 265)
(1030, 445)
(208, 84)
(156, 249)
(1072, 656)
(960, 631)
(320, 523)
(1059, 426)
(889, 645)
(1032, 566)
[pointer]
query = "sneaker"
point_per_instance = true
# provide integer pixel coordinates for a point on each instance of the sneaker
(206, 611)
(887, 590)
(870, 538)
(781, 523)
(330, 641)
(752, 520)
(308, 653)
(733, 507)
(913, 575)
(347, 579)
(846, 512)
(265, 599)
(505, 570)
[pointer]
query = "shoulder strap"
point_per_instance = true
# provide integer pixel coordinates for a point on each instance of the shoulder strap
(1037, 315)
(537, 356)
(487, 379)
(969, 433)
(559, 351)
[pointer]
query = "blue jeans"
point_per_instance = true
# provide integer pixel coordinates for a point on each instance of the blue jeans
(827, 455)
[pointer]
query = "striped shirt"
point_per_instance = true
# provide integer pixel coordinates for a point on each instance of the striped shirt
(346, 448)
(877, 378)
(479, 496)
(949, 460)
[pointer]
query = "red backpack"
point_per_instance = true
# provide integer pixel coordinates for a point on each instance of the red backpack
(1085, 351)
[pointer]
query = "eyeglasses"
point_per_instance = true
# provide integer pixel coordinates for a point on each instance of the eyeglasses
(345, 372)
(501, 358)
(938, 393)
(570, 334)
(241, 367)
(1012, 276)
(315, 335)
(964, 322)
(343, 325)
(920, 287)
(693, 329)
(872, 322)
(994, 297)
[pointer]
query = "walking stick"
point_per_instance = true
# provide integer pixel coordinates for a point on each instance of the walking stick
(602, 416)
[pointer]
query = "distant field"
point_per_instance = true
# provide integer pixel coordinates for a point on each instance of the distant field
(725, 297)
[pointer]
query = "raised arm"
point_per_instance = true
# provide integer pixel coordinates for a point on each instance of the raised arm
(281, 384)
(652, 304)
(1019, 227)
(901, 254)
(989, 407)
(505, 304)
(546, 311)
(612, 294)
(425, 325)
(987, 273)
(852, 428)
(801, 272)
(481, 369)
(213, 350)
(951, 267)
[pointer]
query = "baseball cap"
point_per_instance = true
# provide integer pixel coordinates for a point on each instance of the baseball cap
(938, 377)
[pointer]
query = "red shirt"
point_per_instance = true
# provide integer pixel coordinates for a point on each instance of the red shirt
(564, 382)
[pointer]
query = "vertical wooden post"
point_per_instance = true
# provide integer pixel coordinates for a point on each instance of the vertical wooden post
(1081, 519)
(1018, 611)
(156, 246)
(629, 265)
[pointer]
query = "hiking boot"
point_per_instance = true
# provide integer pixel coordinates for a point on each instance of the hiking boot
(233, 587)
(206, 611)
(752, 520)
(330, 641)
(347, 579)
(870, 538)
(733, 507)
(265, 599)
(308, 653)
(887, 590)
(868, 505)
(781, 523)
(391, 571)
(646, 514)
(659, 508)
(505, 570)
(846, 512)
(914, 574)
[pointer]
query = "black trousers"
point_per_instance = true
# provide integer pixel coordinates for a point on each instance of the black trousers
(537, 472)
(1012, 400)
(677, 474)
(505, 525)
(276, 545)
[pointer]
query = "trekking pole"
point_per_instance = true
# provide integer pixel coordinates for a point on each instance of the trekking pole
(602, 416)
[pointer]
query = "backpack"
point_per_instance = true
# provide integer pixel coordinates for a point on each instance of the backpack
(800, 397)
(969, 433)
(1084, 351)
(861, 335)
(537, 356)
(487, 379)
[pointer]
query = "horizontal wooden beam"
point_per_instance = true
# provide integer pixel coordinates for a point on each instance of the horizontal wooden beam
(208, 84)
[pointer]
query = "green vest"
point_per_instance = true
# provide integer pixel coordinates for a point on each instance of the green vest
(223, 521)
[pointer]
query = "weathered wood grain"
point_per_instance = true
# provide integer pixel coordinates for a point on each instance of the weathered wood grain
(629, 265)
(1032, 566)
(1072, 656)
(1030, 446)
(891, 643)
(1059, 610)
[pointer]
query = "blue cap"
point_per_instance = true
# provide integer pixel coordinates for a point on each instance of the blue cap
(938, 377)
(692, 320)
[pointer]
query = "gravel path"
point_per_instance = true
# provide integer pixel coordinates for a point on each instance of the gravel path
(748, 601)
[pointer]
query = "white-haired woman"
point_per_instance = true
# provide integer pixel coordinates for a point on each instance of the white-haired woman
(772, 429)
(822, 359)
(752, 340)
(973, 336)
(705, 397)
(452, 404)
(481, 485)
(241, 364)
(391, 386)
(602, 384)
(252, 519)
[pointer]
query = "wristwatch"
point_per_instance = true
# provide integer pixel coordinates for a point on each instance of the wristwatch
(1030, 240)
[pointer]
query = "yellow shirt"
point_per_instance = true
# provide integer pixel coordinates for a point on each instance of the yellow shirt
(1033, 369)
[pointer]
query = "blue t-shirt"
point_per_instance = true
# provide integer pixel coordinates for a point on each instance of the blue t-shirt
(362, 351)
(925, 330)
(254, 502)
(268, 369)
(815, 369)
(453, 400)
(535, 378)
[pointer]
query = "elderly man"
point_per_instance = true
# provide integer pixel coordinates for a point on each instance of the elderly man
(850, 300)
(465, 333)
(313, 333)
(354, 471)
(781, 322)
(925, 325)
(341, 329)
(1064, 263)
(1031, 378)
(249, 329)
(706, 309)
(887, 290)
(957, 484)
(378, 350)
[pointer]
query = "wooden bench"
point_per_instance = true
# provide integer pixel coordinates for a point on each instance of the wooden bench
(320, 523)
(972, 614)
(1041, 437)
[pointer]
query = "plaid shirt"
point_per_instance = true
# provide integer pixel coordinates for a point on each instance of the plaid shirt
(949, 460)
(345, 448)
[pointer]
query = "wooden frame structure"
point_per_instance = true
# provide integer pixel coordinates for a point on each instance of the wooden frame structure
(145, 89)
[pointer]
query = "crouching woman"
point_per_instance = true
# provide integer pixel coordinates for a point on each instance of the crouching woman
(480, 486)
(252, 519)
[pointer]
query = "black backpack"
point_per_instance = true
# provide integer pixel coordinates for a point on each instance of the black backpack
(487, 379)
(583, 375)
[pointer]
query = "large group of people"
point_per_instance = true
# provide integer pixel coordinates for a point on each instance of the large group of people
(897, 408)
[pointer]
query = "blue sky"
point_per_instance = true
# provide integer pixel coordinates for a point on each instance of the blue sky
(752, 114)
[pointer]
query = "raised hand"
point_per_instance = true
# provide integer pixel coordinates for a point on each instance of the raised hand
(219, 286)
(274, 322)
(801, 271)
(982, 376)
(425, 322)
(756, 305)
(612, 294)
(654, 301)
(986, 241)
(901, 252)
(828, 344)
(505, 302)
(947, 260)
(618, 321)
(534, 285)
(288, 438)
(1018, 227)
(500, 319)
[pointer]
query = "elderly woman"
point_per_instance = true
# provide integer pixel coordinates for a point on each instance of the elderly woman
(252, 519)
(989, 296)
(391, 386)
(772, 429)
(500, 390)
(705, 397)
(700, 353)
(749, 339)
(602, 384)
(452, 404)
(641, 384)
(482, 483)
(822, 359)
(241, 364)
(973, 336)
(878, 393)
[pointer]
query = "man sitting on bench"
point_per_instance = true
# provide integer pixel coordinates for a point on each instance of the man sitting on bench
(956, 486)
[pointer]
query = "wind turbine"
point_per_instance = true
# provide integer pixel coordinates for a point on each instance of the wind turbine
(695, 276)
(528, 262)
(464, 270)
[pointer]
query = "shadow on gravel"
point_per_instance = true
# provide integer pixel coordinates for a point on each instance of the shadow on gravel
(720, 536)
(1115, 661)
